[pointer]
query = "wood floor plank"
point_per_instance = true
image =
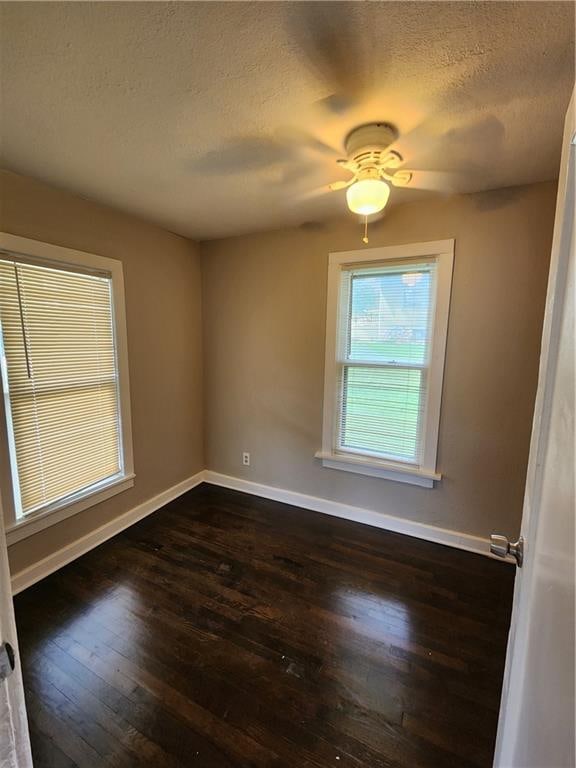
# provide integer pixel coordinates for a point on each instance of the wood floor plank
(227, 630)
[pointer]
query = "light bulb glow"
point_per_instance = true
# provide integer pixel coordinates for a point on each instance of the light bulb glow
(367, 196)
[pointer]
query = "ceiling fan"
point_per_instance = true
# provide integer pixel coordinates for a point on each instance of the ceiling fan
(374, 167)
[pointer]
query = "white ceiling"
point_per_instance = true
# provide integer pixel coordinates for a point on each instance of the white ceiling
(212, 118)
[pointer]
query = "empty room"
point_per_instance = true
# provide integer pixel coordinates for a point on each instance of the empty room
(287, 361)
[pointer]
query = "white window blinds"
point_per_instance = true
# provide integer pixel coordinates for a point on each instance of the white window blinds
(385, 328)
(60, 381)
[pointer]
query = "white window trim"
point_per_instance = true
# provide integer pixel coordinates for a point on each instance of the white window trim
(33, 251)
(424, 474)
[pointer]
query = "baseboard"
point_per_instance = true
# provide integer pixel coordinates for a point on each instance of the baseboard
(61, 557)
(387, 522)
(382, 520)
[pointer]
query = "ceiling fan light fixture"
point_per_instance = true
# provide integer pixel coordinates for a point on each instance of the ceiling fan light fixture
(367, 196)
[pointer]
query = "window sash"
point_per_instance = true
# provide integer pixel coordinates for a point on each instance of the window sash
(339, 443)
(346, 360)
(439, 256)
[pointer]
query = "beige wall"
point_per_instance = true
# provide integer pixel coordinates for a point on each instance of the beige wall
(264, 300)
(163, 306)
(264, 316)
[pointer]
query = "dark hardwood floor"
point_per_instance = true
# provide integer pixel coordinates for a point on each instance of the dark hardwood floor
(226, 630)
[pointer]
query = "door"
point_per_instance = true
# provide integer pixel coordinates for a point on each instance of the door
(536, 727)
(14, 740)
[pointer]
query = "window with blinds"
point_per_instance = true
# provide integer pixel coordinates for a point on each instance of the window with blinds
(60, 379)
(383, 350)
(386, 330)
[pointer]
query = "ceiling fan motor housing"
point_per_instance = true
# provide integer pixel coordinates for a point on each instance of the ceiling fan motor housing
(369, 142)
(370, 156)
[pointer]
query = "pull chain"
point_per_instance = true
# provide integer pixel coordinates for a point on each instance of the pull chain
(365, 238)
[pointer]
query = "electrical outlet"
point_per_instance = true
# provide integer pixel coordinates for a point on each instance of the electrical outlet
(246, 459)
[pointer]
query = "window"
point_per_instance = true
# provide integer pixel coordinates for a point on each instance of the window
(386, 336)
(66, 412)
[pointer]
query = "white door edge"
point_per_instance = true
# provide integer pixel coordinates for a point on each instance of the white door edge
(517, 673)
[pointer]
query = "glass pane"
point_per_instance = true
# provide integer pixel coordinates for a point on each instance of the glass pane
(381, 411)
(390, 316)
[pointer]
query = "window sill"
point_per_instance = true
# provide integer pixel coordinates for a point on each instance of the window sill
(363, 465)
(59, 511)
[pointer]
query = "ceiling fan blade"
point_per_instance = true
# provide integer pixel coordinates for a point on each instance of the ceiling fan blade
(292, 136)
(433, 181)
(400, 178)
(340, 185)
(245, 153)
(328, 36)
(325, 189)
(312, 194)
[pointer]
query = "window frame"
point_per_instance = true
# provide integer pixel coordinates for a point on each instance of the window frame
(423, 474)
(26, 250)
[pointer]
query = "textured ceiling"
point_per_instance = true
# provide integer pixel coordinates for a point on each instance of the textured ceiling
(215, 119)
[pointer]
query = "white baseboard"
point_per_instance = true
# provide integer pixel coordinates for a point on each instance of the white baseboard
(387, 522)
(382, 520)
(61, 557)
